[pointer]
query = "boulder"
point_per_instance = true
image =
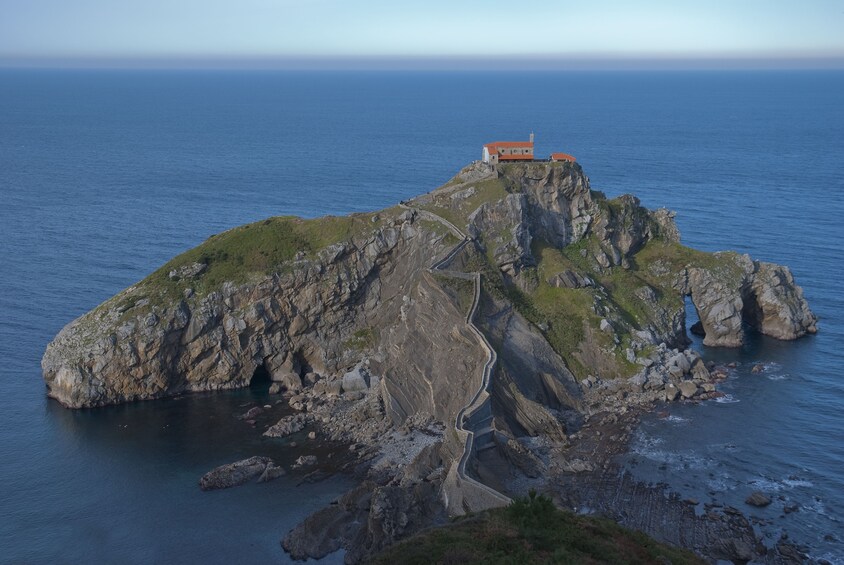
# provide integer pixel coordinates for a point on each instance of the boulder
(757, 498)
(287, 426)
(678, 365)
(252, 413)
(305, 461)
(671, 393)
(289, 380)
(356, 380)
(688, 389)
(188, 271)
(334, 387)
(234, 474)
(699, 370)
(570, 279)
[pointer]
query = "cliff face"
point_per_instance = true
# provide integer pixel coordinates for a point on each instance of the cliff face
(320, 313)
(582, 299)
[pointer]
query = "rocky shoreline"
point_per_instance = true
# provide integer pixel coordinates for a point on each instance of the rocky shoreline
(581, 474)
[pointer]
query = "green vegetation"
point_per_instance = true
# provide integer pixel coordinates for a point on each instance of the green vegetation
(675, 257)
(559, 312)
(259, 248)
(458, 212)
(362, 339)
(449, 239)
(462, 290)
(570, 317)
(532, 531)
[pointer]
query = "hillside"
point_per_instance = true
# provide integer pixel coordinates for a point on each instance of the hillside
(532, 531)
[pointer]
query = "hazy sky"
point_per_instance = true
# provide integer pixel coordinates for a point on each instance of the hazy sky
(213, 30)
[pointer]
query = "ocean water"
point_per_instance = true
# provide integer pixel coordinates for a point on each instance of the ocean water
(105, 175)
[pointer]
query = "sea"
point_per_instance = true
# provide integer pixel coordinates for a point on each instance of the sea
(106, 174)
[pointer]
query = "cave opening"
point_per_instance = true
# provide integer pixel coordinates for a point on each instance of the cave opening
(693, 323)
(261, 379)
(301, 366)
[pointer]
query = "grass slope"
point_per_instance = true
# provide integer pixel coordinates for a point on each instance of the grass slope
(531, 530)
(259, 248)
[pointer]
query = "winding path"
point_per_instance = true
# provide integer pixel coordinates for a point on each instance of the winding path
(479, 403)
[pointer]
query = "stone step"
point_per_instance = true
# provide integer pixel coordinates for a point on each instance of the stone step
(482, 432)
(486, 446)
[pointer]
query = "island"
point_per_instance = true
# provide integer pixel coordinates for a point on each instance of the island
(492, 337)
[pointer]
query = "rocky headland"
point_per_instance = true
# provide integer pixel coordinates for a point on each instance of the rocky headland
(497, 334)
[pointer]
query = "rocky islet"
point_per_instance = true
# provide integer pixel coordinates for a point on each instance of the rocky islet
(581, 299)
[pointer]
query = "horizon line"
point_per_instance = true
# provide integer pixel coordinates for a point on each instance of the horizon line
(436, 63)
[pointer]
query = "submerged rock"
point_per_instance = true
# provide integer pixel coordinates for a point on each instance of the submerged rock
(757, 498)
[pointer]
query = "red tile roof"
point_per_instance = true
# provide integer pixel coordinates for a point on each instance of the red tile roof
(503, 144)
(562, 157)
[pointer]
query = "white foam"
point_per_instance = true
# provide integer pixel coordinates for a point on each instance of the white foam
(721, 483)
(817, 507)
(767, 366)
(727, 399)
(791, 483)
(646, 446)
(773, 485)
(767, 485)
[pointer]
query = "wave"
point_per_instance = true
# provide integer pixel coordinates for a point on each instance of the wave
(649, 448)
(727, 399)
(775, 485)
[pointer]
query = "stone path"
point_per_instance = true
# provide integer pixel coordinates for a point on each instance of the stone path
(477, 414)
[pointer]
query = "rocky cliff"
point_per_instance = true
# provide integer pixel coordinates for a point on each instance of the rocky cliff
(581, 298)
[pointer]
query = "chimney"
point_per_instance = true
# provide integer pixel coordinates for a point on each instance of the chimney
(531, 137)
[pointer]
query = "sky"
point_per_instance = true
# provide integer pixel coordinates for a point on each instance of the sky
(432, 32)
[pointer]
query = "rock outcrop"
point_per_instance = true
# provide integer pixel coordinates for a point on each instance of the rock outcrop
(739, 293)
(240, 472)
(581, 297)
(301, 318)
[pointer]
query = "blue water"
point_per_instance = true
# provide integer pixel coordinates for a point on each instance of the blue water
(106, 175)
